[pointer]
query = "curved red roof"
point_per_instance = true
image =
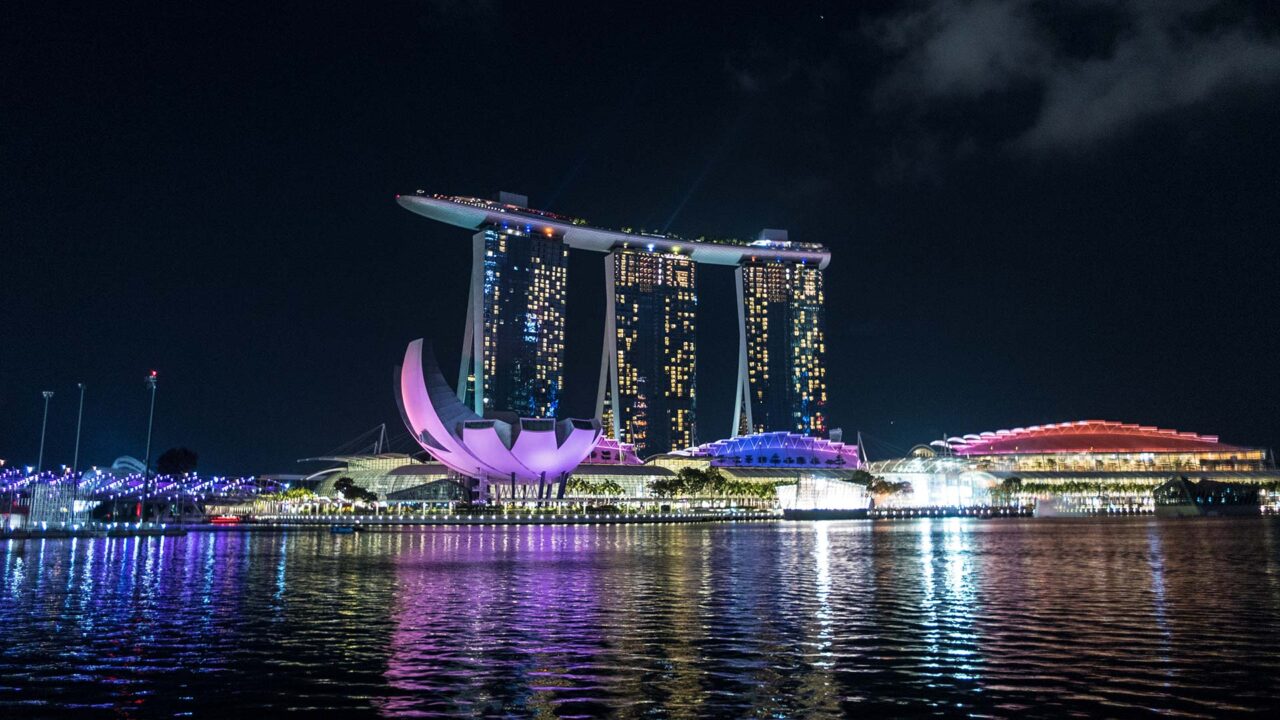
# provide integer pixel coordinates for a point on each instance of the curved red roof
(1084, 436)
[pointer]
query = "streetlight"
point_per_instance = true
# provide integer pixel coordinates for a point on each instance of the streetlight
(146, 477)
(75, 459)
(43, 424)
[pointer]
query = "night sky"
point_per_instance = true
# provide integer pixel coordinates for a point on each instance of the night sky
(1038, 211)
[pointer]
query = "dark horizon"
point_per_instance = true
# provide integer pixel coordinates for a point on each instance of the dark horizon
(1035, 215)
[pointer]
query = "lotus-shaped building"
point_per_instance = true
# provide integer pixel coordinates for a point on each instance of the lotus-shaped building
(510, 457)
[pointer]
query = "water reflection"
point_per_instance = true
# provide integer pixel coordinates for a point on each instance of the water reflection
(936, 617)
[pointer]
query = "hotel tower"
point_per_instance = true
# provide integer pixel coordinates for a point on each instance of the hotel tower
(781, 374)
(647, 394)
(513, 355)
(513, 343)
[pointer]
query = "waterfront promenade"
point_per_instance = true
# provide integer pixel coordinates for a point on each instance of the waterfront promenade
(281, 521)
(603, 518)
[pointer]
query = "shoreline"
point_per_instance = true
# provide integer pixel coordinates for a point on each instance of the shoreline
(371, 522)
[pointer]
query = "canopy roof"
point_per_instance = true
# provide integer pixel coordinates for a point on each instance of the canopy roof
(775, 448)
(1099, 436)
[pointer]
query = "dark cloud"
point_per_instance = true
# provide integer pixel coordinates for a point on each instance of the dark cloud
(1097, 68)
(959, 49)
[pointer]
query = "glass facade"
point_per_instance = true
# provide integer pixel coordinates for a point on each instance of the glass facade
(648, 391)
(783, 381)
(520, 331)
(1077, 481)
(1236, 460)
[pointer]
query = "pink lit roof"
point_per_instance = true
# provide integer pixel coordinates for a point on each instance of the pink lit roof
(1084, 436)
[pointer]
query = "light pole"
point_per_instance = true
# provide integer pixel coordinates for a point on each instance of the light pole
(146, 477)
(75, 459)
(43, 424)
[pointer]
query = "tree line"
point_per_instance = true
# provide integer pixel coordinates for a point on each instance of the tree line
(696, 482)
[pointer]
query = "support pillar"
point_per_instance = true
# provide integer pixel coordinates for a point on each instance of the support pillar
(472, 362)
(742, 403)
(607, 390)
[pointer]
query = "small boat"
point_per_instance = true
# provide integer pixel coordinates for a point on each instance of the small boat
(1181, 497)
(343, 529)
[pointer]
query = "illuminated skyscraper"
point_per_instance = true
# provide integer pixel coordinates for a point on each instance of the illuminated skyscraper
(647, 373)
(781, 375)
(513, 345)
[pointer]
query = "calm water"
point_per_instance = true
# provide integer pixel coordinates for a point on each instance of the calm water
(942, 617)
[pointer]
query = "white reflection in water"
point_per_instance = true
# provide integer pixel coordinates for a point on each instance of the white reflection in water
(822, 592)
(69, 597)
(948, 604)
(207, 573)
(1155, 559)
(281, 564)
(83, 586)
(135, 550)
(13, 570)
(150, 565)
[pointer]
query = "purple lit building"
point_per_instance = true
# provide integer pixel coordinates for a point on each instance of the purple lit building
(508, 457)
(776, 450)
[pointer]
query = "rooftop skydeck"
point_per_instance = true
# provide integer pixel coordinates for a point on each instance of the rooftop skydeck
(474, 213)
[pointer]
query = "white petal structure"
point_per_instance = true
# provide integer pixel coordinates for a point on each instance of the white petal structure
(499, 453)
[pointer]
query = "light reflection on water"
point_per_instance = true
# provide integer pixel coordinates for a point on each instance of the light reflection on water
(935, 617)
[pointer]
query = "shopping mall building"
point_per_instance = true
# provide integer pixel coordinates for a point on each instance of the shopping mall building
(1088, 464)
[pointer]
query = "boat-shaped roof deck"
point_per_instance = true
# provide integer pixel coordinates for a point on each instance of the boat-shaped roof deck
(474, 213)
